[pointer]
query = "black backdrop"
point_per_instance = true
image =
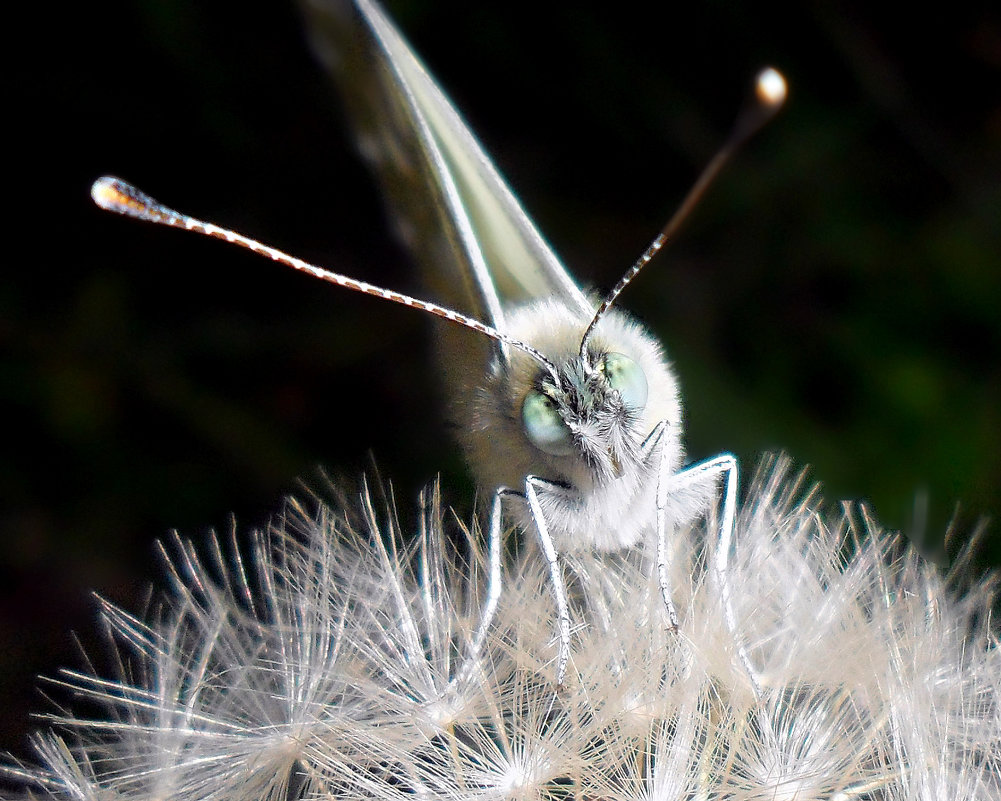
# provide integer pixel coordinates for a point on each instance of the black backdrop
(836, 296)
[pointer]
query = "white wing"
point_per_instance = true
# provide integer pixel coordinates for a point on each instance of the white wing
(453, 209)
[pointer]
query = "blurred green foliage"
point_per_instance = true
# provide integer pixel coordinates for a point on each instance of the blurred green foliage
(837, 295)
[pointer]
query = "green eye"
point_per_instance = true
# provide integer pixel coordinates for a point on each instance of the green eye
(544, 426)
(627, 377)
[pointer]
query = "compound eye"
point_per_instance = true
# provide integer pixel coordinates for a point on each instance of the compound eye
(544, 426)
(627, 377)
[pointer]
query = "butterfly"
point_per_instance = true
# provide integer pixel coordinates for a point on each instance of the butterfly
(569, 413)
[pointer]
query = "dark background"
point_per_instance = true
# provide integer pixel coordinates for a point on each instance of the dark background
(836, 296)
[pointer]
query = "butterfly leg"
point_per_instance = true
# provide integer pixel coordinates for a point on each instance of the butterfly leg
(494, 579)
(650, 446)
(532, 486)
(493, 590)
(691, 477)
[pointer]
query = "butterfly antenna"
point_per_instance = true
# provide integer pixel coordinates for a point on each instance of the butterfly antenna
(114, 194)
(766, 99)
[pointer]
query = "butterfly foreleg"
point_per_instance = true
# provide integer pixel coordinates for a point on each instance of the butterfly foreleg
(493, 589)
(663, 476)
(493, 592)
(533, 484)
(692, 477)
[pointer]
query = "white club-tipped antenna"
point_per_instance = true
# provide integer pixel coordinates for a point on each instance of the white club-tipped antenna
(767, 97)
(121, 197)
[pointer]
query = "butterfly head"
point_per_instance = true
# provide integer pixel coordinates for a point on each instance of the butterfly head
(579, 419)
(589, 409)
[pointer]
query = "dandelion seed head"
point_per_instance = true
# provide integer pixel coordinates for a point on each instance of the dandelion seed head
(330, 657)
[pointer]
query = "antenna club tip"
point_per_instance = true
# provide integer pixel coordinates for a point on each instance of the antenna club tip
(121, 197)
(106, 192)
(770, 87)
